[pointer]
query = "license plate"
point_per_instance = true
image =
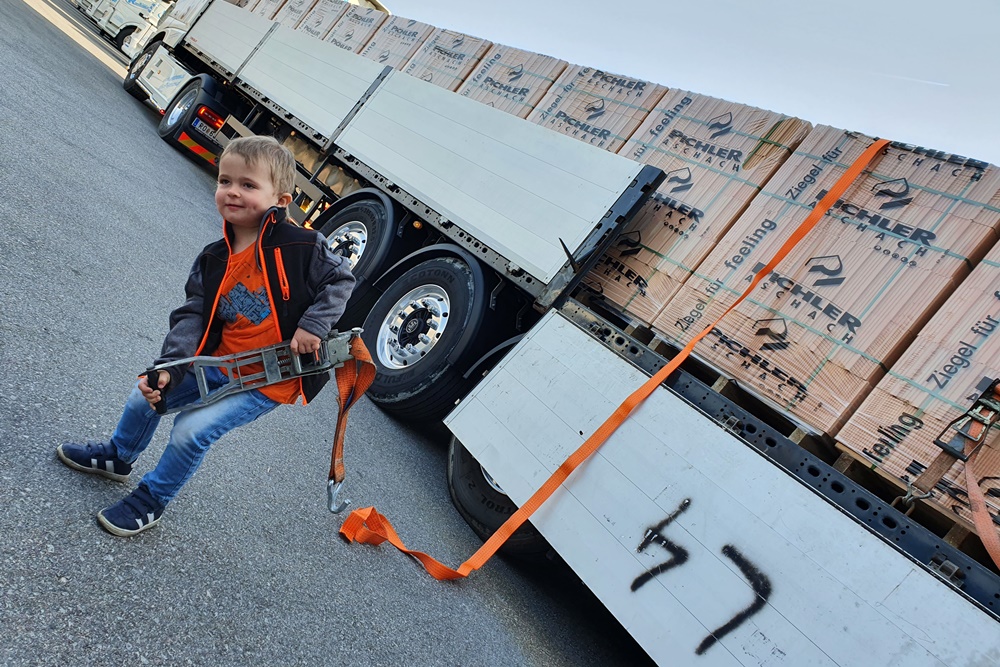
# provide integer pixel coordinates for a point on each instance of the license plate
(204, 128)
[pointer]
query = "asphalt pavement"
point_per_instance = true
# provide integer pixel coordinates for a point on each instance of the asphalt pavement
(100, 222)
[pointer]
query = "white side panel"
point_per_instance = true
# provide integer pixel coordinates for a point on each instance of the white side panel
(228, 34)
(835, 593)
(163, 78)
(316, 81)
(514, 185)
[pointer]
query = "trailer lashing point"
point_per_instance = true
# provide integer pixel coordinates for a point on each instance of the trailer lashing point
(196, 148)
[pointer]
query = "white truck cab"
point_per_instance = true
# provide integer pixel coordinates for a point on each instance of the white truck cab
(125, 21)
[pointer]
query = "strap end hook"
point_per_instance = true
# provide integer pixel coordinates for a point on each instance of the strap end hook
(332, 490)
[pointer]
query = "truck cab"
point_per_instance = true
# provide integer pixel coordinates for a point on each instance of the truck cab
(125, 20)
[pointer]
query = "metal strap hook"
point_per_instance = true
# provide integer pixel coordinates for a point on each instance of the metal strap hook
(332, 490)
(912, 494)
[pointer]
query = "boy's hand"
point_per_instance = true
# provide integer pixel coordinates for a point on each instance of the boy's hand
(304, 342)
(152, 395)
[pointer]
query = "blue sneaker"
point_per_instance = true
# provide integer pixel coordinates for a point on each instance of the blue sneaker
(132, 514)
(97, 458)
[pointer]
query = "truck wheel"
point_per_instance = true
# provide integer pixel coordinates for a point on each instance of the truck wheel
(131, 81)
(122, 35)
(179, 111)
(363, 233)
(413, 330)
(485, 507)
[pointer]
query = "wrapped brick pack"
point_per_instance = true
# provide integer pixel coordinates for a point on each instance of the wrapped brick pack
(512, 80)
(819, 331)
(717, 156)
(267, 8)
(323, 15)
(293, 11)
(954, 359)
(447, 58)
(355, 28)
(596, 107)
(396, 41)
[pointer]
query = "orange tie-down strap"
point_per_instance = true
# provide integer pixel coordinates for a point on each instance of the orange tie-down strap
(367, 525)
(940, 466)
(981, 517)
(353, 380)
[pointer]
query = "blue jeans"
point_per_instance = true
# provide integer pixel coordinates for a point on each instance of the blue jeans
(194, 430)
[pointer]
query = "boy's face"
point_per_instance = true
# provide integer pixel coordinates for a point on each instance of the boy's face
(245, 191)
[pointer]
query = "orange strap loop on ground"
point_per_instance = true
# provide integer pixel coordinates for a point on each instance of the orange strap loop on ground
(367, 525)
(353, 380)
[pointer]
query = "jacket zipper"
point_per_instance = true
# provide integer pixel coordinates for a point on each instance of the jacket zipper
(282, 278)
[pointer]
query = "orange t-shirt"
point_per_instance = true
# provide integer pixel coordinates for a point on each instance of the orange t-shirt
(248, 323)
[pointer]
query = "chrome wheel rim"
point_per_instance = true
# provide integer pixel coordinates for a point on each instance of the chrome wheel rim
(138, 65)
(349, 241)
(413, 326)
(181, 107)
(492, 482)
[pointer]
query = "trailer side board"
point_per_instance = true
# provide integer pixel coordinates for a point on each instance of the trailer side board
(503, 180)
(227, 35)
(317, 82)
(704, 550)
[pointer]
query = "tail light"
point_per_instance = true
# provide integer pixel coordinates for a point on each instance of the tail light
(210, 118)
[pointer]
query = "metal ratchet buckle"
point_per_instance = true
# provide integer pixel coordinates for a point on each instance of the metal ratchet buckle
(278, 362)
(973, 426)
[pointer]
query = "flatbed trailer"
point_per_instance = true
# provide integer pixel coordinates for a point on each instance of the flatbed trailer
(709, 534)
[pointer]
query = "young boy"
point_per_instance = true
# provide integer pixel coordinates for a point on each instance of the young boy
(264, 282)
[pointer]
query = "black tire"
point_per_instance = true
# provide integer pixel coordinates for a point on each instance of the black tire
(131, 81)
(420, 383)
(179, 113)
(122, 35)
(364, 232)
(485, 508)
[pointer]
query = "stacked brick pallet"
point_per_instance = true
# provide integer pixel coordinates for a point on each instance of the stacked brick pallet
(596, 107)
(953, 360)
(266, 8)
(512, 80)
(319, 19)
(397, 41)
(355, 28)
(447, 58)
(717, 155)
(293, 11)
(817, 334)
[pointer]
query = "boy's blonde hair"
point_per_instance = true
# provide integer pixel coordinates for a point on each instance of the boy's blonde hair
(262, 149)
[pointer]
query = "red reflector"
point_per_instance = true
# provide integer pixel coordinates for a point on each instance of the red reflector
(210, 117)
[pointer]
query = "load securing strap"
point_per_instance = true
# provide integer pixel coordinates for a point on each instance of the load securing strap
(368, 526)
(942, 463)
(353, 379)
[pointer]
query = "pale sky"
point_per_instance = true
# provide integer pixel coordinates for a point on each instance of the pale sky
(925, 72)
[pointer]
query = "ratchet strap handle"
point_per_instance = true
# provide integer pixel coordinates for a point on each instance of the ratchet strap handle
(368, 526)
(153, 380)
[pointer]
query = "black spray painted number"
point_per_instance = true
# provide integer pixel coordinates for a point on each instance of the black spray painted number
(679, 555)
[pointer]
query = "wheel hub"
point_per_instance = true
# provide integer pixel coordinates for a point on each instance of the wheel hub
(139, 65)
(413, 326)
(349, 241)
(492, 482)
(182, 106)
